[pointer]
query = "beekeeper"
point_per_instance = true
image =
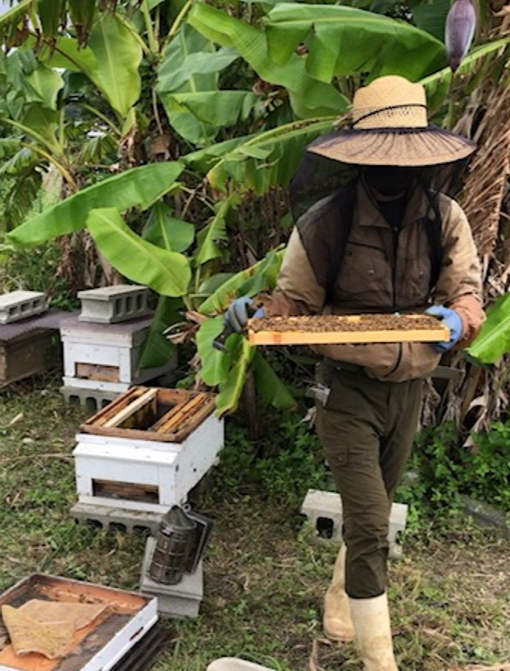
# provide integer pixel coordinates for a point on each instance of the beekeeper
(379, 235)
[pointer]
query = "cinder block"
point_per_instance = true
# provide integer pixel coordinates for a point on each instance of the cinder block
(324, 511)
(17, 305)
(111, 518)
(174, 601)
(91, 399)
(108, 305)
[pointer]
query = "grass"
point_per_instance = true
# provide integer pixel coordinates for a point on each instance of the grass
(264, 578)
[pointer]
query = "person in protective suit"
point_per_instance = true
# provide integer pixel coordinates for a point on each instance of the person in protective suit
(389, 240)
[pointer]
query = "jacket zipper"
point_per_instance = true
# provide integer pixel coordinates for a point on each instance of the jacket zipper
(396, 233)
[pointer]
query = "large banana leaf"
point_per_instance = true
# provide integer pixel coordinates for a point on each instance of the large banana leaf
(431, 16)
(118, 56)
(215, 231)
(228, 369)
(40, 124)
(36, 82)
(168, 273)
(111, 61)
(493, 341)
(215, 364)
(204, 159)
(139, 187)
(259, 277)
(344, 41)
(272, 389)
(156, 349)
(164, 230)
(189, 55)
(69, 55)
(217, 108)
(188, 88)
(240, 351)
(268, 159)
(309, 97)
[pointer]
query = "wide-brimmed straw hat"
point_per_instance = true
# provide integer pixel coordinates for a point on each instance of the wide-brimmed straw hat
(388, 126)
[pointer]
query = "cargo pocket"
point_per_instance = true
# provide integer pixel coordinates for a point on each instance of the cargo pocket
(329, 418)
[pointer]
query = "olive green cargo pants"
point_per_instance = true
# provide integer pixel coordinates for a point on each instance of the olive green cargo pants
(366, 428)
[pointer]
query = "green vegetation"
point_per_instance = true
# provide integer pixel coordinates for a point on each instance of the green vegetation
(172, 130)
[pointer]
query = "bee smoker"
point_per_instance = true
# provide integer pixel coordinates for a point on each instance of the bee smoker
(180, 542)
(174, 541)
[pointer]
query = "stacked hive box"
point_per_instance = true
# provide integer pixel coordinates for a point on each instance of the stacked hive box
(29, 342)
(102, 345)
(143, 453)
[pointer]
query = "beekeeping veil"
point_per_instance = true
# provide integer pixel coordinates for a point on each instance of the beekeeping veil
(387, 129)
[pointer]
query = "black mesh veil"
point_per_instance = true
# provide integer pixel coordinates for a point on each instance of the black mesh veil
(323, 201)
(318, 177)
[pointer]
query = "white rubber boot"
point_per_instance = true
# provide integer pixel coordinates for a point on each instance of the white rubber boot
(337, 623)
(235, 664)
(371, 620)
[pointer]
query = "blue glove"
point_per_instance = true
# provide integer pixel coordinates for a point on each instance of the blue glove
(452, 320)
(238, 313)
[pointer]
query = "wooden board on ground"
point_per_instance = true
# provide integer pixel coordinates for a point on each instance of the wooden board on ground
(340, 329)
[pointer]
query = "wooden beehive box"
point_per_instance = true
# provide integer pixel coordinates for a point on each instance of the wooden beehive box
(29, 347)
(339, 329)
(96, 647)
(147, 449)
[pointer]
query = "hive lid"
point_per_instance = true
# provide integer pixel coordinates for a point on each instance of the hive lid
(52, 319)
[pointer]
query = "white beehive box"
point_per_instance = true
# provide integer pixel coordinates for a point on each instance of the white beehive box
(105, 357)
(146, 450)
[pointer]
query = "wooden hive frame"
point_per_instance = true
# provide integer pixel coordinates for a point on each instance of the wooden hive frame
(122, 418)
(300, 336)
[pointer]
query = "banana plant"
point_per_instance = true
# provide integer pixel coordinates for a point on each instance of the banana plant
(493, 341)
(138, 187)
(188, 87)
(227, 369)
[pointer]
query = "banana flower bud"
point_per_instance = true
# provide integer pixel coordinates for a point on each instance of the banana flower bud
(459, 31)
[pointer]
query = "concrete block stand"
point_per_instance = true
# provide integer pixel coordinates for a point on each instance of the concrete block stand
(174, 601)
(324, 510)
(91, 399)
(17, 305)
(118, 303)
(111, 518)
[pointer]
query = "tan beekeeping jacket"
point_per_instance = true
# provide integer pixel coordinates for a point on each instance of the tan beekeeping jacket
(375, 276)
